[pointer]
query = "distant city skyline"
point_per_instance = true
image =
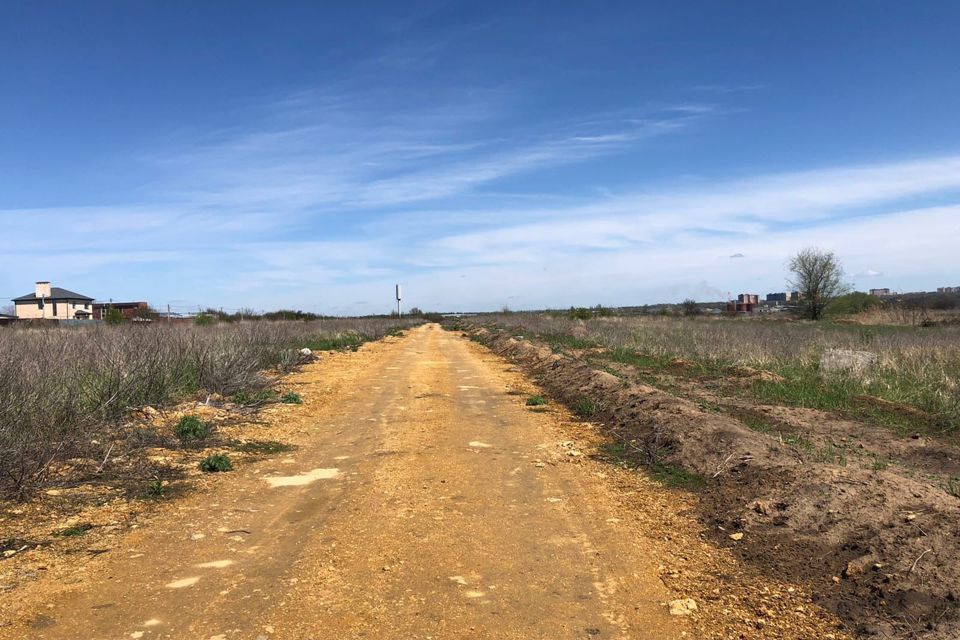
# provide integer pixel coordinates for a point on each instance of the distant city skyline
(311, 155)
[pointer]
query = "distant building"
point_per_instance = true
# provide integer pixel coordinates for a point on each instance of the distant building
(795, 296)
(948, 289)
(746, 303)
(52, 303)
(129, 310)
(880, 292)
(776, 297)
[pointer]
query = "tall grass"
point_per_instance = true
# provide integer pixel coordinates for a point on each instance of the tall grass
(918, 366)
(64, 391)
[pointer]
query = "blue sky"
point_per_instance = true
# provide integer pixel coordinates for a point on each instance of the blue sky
(531, 154)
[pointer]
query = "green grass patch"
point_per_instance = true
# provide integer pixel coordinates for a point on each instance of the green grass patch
(536, 401)
(758, 423)
(675, 476)
(217, 463)
(156, 489)
(250, 399)
(191, 428)
(337, 342)
(560, 342)
(261, 447)
(797, 441)
(953, 487)
(291, 397)
(587, 407)
(803, 387)
(831, 454)
(74, 531)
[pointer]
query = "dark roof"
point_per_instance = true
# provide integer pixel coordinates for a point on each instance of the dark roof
(56, 293)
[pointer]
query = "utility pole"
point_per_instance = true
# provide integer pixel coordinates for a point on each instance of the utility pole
(399, 308)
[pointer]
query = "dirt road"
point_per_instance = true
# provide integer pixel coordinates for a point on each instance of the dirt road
(425, 500)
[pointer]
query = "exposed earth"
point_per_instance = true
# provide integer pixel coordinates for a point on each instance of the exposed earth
(424, 499)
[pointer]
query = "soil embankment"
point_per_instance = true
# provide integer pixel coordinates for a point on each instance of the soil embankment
(880, 547)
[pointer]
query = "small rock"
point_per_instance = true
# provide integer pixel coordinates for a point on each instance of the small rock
(682, 607)
(736, 536)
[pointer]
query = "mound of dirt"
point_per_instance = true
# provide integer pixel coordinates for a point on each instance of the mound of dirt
(879, 548)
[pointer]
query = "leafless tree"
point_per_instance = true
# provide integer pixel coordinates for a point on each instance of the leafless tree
(818, 276)
(691, 308)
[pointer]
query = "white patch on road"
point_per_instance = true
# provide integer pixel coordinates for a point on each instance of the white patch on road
(474, 594)
(183, 582)
(216, 564)
(479, 445)
(458, 580)
(303, 478)
(152, 622)
(338, 458)
(466, 387)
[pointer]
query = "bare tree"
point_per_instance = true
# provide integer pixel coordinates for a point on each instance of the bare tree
(818, 276)
(691, 308)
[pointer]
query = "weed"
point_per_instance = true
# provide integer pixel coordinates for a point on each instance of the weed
(536, 401)
(156, 489)
(216, 463)
(879, 464)
(707, 406)
(74, 531)
(797, 441)
(587, 407)
(245, 399)
(831, 454)
(191, 428)
(953, 487)
(291, 397)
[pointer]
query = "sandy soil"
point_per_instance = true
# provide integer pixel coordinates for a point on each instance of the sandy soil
(424, 500)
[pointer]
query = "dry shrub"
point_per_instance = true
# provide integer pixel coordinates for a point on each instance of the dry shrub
(64, 391)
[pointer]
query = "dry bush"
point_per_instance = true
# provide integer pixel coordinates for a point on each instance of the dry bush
(63, 391)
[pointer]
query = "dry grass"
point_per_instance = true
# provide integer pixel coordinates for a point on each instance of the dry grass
(918, 366)
(64, 391)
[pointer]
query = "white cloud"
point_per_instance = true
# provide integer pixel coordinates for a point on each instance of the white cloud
(320, 207)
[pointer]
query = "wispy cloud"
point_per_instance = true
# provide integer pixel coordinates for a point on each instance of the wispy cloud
(327, 198)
